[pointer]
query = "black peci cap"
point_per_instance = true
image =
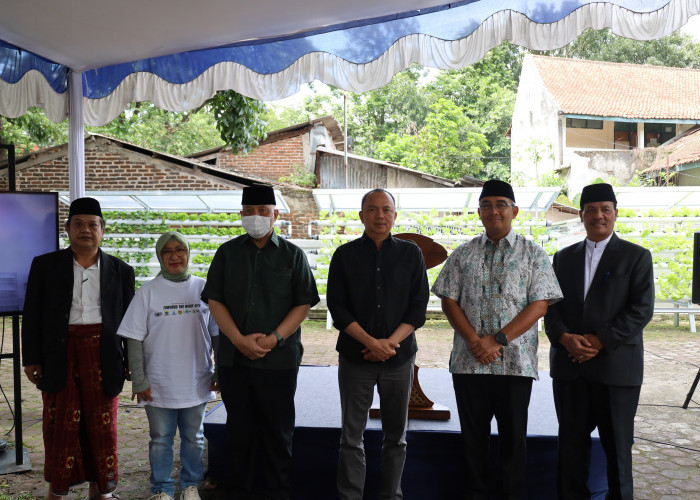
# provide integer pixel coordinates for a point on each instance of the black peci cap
(495, 187)
(258, 195)
(85, 206)
(597, 192)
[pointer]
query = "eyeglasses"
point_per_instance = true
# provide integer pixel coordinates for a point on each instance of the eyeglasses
(91, 226)
(178, 251)
(501, 205)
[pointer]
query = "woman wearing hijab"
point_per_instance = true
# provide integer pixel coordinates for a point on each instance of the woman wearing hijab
(170, 333)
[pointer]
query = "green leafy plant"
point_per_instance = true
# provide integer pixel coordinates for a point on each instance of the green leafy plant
(301, 176)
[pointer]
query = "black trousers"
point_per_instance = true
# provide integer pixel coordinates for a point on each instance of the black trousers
(259, 429)
(581, 407)
(479, 399)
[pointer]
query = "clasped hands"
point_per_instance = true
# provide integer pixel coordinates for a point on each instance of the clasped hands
(581, 348)
(380, 350)
(485, 349)
(256, 345)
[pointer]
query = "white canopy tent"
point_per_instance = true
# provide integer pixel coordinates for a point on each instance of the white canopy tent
(88, 60)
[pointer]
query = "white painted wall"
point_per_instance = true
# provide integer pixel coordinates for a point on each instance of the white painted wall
(586, 166)
(535, 121)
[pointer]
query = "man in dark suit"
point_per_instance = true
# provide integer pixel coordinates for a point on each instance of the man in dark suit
(596, 358)
(75, 300)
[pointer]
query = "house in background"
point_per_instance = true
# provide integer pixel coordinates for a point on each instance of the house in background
(115, 165)
(313, 152)
(677, 162)
(589, 119)
(317, 147)
(308, 144)
(284, 153)
(368, 173)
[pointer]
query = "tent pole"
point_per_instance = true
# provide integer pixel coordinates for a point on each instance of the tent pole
(76, 136)
(345, 137)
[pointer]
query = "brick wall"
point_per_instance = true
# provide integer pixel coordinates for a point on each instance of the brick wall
(271, 161)
(303, 210)
(110, 168)
(110, 171)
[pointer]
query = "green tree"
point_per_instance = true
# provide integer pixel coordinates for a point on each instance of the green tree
(238, 119)
(229, 117)
(449, 145)
(313, 106)
(32, 130)
(538, 151)
(154, 128)
(399, 107)
(677, 50)
(485, 91)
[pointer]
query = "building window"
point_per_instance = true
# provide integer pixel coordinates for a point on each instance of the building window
(654, 134)
(584, 123)
(658, 133)
(625, 135)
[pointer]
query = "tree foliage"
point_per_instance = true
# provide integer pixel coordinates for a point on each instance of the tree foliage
(312, 106)
(449, 145)
(32, 131)
(238, 119)
(154, 128)
(677, 50)
(228, 117)
(399, 108)
(485, 91)
(399, 121)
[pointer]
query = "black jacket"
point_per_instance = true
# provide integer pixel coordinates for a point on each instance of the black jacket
(47, 309)
(619, 304)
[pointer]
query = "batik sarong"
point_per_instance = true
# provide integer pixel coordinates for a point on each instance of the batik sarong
(80, 422)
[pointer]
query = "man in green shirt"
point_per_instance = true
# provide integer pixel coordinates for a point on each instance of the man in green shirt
(259, 288)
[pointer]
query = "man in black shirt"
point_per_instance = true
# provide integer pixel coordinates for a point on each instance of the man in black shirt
(377, 295)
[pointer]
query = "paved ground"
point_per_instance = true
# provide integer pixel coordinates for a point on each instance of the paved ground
(666, 452)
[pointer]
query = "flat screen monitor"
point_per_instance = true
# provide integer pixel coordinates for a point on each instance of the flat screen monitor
(28, 227)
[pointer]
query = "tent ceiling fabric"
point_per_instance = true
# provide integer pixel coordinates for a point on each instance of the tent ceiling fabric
(178, 53)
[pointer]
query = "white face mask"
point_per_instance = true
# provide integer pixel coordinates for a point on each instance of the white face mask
(256, 226)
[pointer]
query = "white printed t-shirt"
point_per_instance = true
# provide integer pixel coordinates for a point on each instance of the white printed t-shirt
(176, 329)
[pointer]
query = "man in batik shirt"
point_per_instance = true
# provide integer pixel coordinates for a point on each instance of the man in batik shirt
(494, 288)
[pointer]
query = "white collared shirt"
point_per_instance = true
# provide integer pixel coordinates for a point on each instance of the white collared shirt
(594, 251)
(85, 306)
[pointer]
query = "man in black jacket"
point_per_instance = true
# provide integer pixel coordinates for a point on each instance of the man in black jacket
(596, 358)
(377, 295)
(75, 300)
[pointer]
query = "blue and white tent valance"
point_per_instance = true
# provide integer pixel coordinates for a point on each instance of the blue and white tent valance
(359, 52)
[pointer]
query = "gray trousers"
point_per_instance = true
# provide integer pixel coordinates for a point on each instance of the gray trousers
(356, 383)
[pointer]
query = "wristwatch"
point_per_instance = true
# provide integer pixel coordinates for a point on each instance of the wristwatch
(501, 338)
(280, 339)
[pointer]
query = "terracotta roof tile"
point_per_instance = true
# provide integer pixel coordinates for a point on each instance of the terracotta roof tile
(682, 150)
(605, 89)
